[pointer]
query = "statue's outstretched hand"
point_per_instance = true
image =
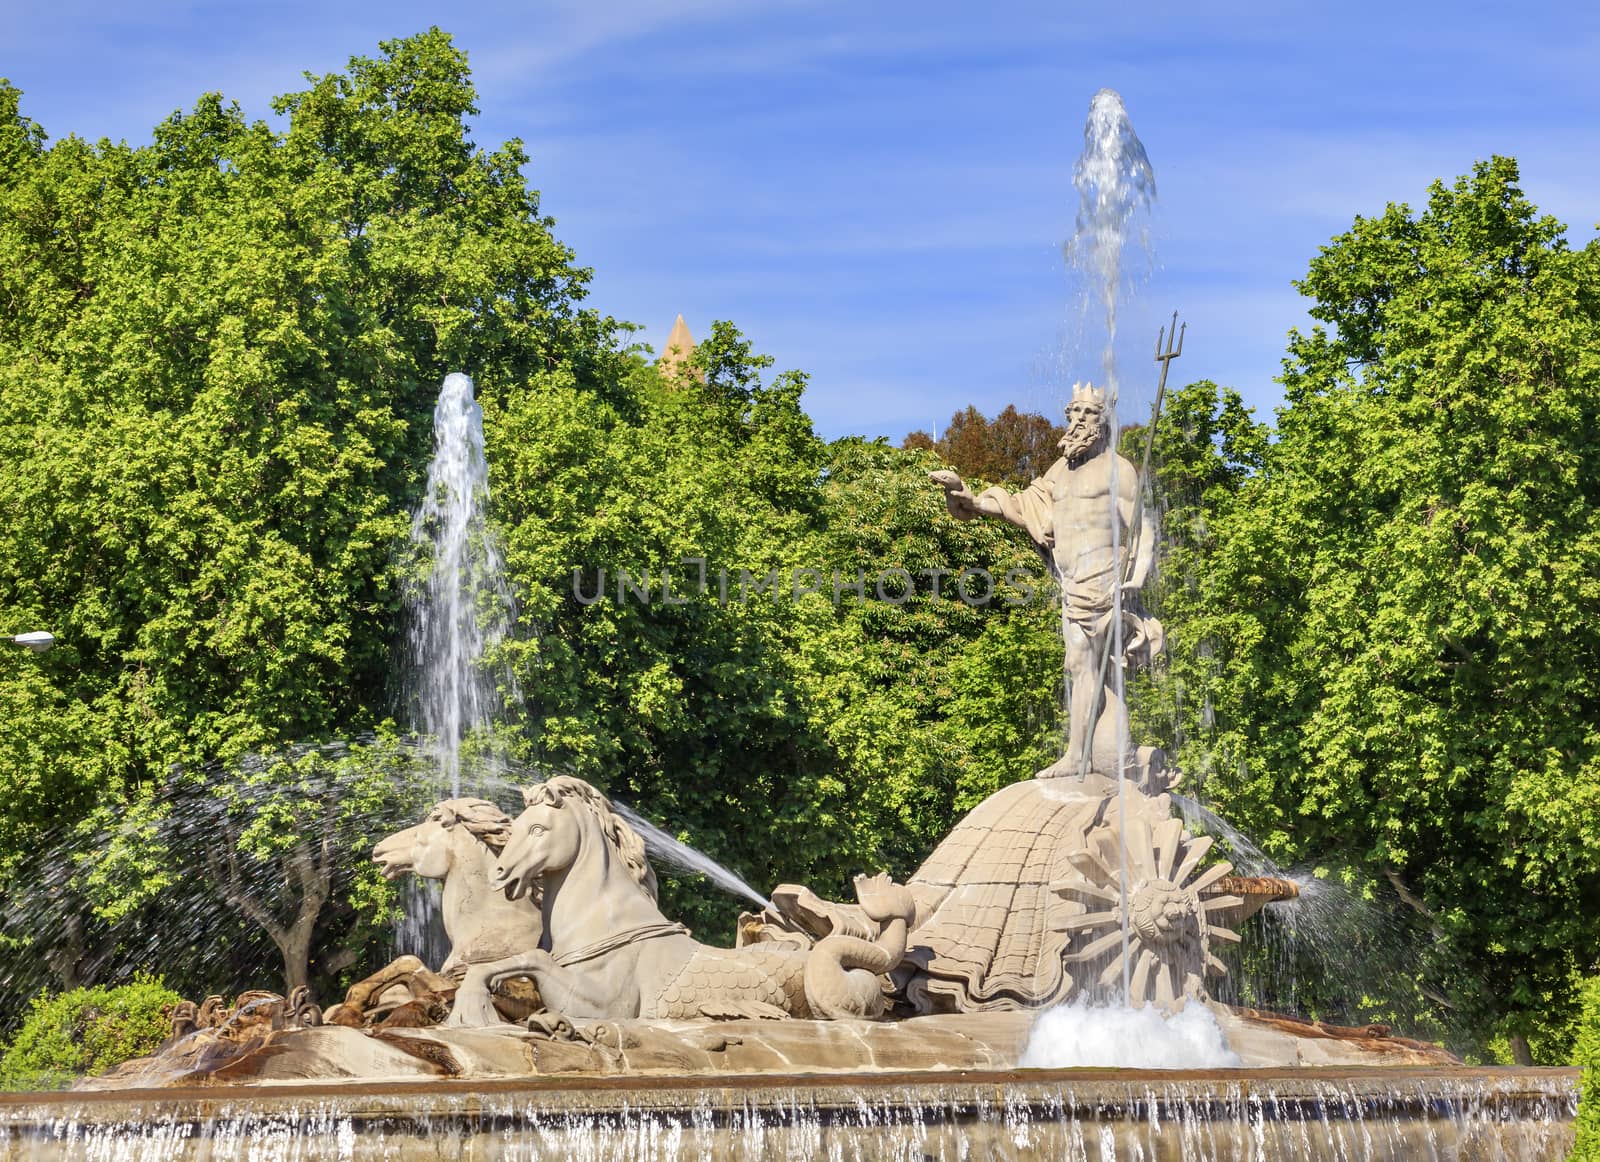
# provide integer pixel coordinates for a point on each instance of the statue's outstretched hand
(958, 497)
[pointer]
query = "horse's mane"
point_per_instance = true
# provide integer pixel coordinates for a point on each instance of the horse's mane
(480, 817)
(624, 839)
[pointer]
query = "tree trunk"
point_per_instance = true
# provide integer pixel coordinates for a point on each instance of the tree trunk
(302, 871)
(1521, 1053)
(65, 959)
(296, 951)
(314, 882)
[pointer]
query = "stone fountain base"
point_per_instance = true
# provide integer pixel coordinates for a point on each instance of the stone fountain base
(1218, 1116)
(950, 1042)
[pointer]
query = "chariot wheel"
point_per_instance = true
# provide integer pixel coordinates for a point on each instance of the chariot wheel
(1169, 904)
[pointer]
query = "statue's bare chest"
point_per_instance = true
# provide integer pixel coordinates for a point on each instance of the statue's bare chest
(1081, 497)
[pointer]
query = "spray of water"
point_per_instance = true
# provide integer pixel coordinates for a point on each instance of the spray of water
(1085, 1033)
(664, 848)
(500, 779)
(462, 607)
(1115, 183)
(1342, 954)
(250, 851)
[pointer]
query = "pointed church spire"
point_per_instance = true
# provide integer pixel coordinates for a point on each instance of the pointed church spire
(677, 353)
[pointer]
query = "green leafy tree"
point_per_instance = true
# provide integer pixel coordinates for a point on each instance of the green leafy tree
(952, 687)
(279, 841)
(1586, 1056)
(1207, 445)
(788, 734)
(677, 702)
(218, 353)
(1401, 597)
(216, 364)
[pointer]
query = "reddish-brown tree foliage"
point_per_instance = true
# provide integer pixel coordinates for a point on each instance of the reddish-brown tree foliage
(1012, 448)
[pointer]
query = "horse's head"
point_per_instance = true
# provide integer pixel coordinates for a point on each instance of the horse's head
(546, 837)
(431, 847)
(550, 834)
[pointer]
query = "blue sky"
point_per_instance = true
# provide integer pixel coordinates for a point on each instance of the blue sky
(877, 193)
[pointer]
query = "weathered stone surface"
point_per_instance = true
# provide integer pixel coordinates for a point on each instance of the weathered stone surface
(459, 842)
(1017, 909)
(742, 978)
(1270, 1039)
(989, 931)
(1010, 906)
(606, 1048)
(957, 1041)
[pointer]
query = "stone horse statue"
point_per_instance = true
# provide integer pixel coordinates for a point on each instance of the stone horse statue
(460, 842)
(609, 953)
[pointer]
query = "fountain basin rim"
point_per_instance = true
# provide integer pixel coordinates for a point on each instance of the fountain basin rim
(1284, 1082)
(1500, 1110)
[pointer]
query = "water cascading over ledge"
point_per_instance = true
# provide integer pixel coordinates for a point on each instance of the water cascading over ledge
(1077, 1116)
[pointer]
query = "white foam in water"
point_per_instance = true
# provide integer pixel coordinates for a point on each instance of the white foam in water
(1081, 1033)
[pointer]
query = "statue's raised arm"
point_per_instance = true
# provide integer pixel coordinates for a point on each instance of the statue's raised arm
(1028, 509)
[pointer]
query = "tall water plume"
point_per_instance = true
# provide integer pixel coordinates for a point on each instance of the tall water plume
(461, 607)
(458, 608)
(1116, 187)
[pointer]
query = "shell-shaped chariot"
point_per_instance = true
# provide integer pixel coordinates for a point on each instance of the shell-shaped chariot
(1021, 906)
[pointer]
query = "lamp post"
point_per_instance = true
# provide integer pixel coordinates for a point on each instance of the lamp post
(36, 641)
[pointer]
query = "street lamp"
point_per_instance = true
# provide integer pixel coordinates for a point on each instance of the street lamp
(37, 640)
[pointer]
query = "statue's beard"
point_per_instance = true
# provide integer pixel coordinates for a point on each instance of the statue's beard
(1083, 440)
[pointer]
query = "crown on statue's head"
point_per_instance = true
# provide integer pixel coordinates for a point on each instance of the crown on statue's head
(1088, 393)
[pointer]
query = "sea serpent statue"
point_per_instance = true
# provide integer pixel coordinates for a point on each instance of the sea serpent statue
(609, 953)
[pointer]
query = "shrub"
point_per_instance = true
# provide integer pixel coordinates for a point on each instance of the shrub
(1586, 1055)
(86, 1031)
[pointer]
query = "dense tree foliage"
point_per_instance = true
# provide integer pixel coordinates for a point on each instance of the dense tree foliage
(1207, 445)
(1394, 622)
(217, 359)
(217, 356)
(704, 636)
(1586, 1056)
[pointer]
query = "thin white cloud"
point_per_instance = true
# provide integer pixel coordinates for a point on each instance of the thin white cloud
(563, 32)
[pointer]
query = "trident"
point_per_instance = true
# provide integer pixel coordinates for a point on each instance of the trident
(1165, 358)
